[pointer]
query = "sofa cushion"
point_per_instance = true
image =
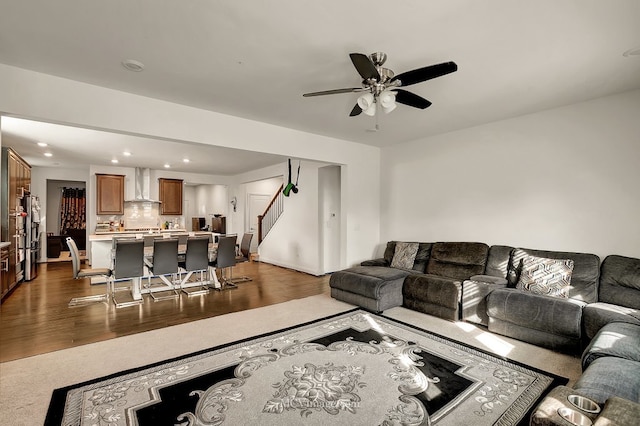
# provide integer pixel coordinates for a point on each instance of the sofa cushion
(545, 321)
(597, 315)
(421, 260)
(610, 376)
(620, 281)
(367, 281)
(541, 275)
(614, 339)
(459, 260)
(404, 255)
(498, 261)
(433, 295)
(585, 275)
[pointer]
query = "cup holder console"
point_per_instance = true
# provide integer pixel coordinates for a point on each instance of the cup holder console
(574, 417)
(584, 404)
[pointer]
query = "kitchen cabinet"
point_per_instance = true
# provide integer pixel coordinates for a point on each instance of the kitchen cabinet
(219, 224)
(16, 180)
(170, 196)
(4, 270)
(110, 194)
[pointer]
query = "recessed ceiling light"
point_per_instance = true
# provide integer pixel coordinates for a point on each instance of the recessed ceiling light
(632, 52)
(185, 160)
(166, 166)
(42, 144)
(114, 161)
(126, 154)
(133, 65)
(48, 154)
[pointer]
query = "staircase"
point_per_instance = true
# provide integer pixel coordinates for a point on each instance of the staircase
(271, 214)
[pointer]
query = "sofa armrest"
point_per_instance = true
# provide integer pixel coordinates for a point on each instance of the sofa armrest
(375, 262)
(535, 311)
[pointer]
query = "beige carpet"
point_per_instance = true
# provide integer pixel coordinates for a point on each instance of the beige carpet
(26, 385)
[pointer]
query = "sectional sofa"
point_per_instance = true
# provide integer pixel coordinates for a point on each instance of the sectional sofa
(565, 301)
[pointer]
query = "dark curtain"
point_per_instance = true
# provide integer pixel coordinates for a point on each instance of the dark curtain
(72, 210)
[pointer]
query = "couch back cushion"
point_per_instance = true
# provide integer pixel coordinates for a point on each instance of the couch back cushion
(498, 261)
(458, 260)
(422, 256)
(584, 277)
(620, 281)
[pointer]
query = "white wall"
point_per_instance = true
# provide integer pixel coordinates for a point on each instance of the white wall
(44, 97)
(294, 241)
(562, 179)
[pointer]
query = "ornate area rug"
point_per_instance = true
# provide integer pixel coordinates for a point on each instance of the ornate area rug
(352, 368)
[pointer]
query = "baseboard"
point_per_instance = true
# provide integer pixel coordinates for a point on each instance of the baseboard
(289, 266)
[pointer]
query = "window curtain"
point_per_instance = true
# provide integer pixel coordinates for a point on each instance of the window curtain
(72, 209)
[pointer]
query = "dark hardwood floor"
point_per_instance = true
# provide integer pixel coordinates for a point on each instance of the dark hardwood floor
(35, 318)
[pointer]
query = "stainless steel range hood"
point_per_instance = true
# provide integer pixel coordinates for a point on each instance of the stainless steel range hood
(142, 186)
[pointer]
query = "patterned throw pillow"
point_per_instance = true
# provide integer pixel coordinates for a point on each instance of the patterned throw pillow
(550, 277)
(404, 255)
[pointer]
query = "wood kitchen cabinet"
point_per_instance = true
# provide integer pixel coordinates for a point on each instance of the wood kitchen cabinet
(110, 194)
(4, 271)
(16, 180)
(170, 196)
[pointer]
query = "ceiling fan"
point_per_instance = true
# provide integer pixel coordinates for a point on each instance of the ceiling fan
(381, 86)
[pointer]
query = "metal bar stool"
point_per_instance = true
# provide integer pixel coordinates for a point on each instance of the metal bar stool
(242, 256)
(128, 264)
(225, 258)
(79, 273)
(196, 261)
(163, 264)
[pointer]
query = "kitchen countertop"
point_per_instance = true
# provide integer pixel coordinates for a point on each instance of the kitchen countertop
(107, 236)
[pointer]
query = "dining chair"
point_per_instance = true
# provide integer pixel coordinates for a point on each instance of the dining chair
(163, 264)
(225, 258)
(80, 273)
(242, 255)
(128, 265)
(196, 261)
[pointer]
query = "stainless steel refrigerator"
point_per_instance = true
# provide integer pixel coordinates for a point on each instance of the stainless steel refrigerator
(31, 204)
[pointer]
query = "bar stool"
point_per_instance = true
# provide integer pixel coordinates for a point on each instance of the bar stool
(163, 264)
(79, 273)
(226, 258)
(242, 255)
(196, 260)
(128, 264)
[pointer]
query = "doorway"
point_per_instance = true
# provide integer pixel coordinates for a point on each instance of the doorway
(256, 205)
(329, 214)
(65, 216)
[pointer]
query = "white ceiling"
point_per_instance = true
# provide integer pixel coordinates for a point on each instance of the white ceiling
(256, 59)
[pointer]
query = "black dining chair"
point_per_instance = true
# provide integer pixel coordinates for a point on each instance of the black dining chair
(225, 258)
(128, 265)
(81, 273)
(242, 255)
(196, 261)
(163, 264)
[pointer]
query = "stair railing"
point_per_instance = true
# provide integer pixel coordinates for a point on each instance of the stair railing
(271, 214)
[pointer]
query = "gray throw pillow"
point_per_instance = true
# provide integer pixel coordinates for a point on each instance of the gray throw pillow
(550, 277)
(404, 255)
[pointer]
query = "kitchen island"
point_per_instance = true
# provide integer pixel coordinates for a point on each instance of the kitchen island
(101, 244)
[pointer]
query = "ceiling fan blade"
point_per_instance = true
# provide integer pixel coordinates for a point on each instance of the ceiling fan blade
(334, 92)
(423, 74)
(364, 66)
(411, 99)
(355, 111)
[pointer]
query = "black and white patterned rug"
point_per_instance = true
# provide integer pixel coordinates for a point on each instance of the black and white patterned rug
(352, 368)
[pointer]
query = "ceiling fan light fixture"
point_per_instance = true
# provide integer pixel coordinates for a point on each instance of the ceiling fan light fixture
(388, 100)
(367, 103)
